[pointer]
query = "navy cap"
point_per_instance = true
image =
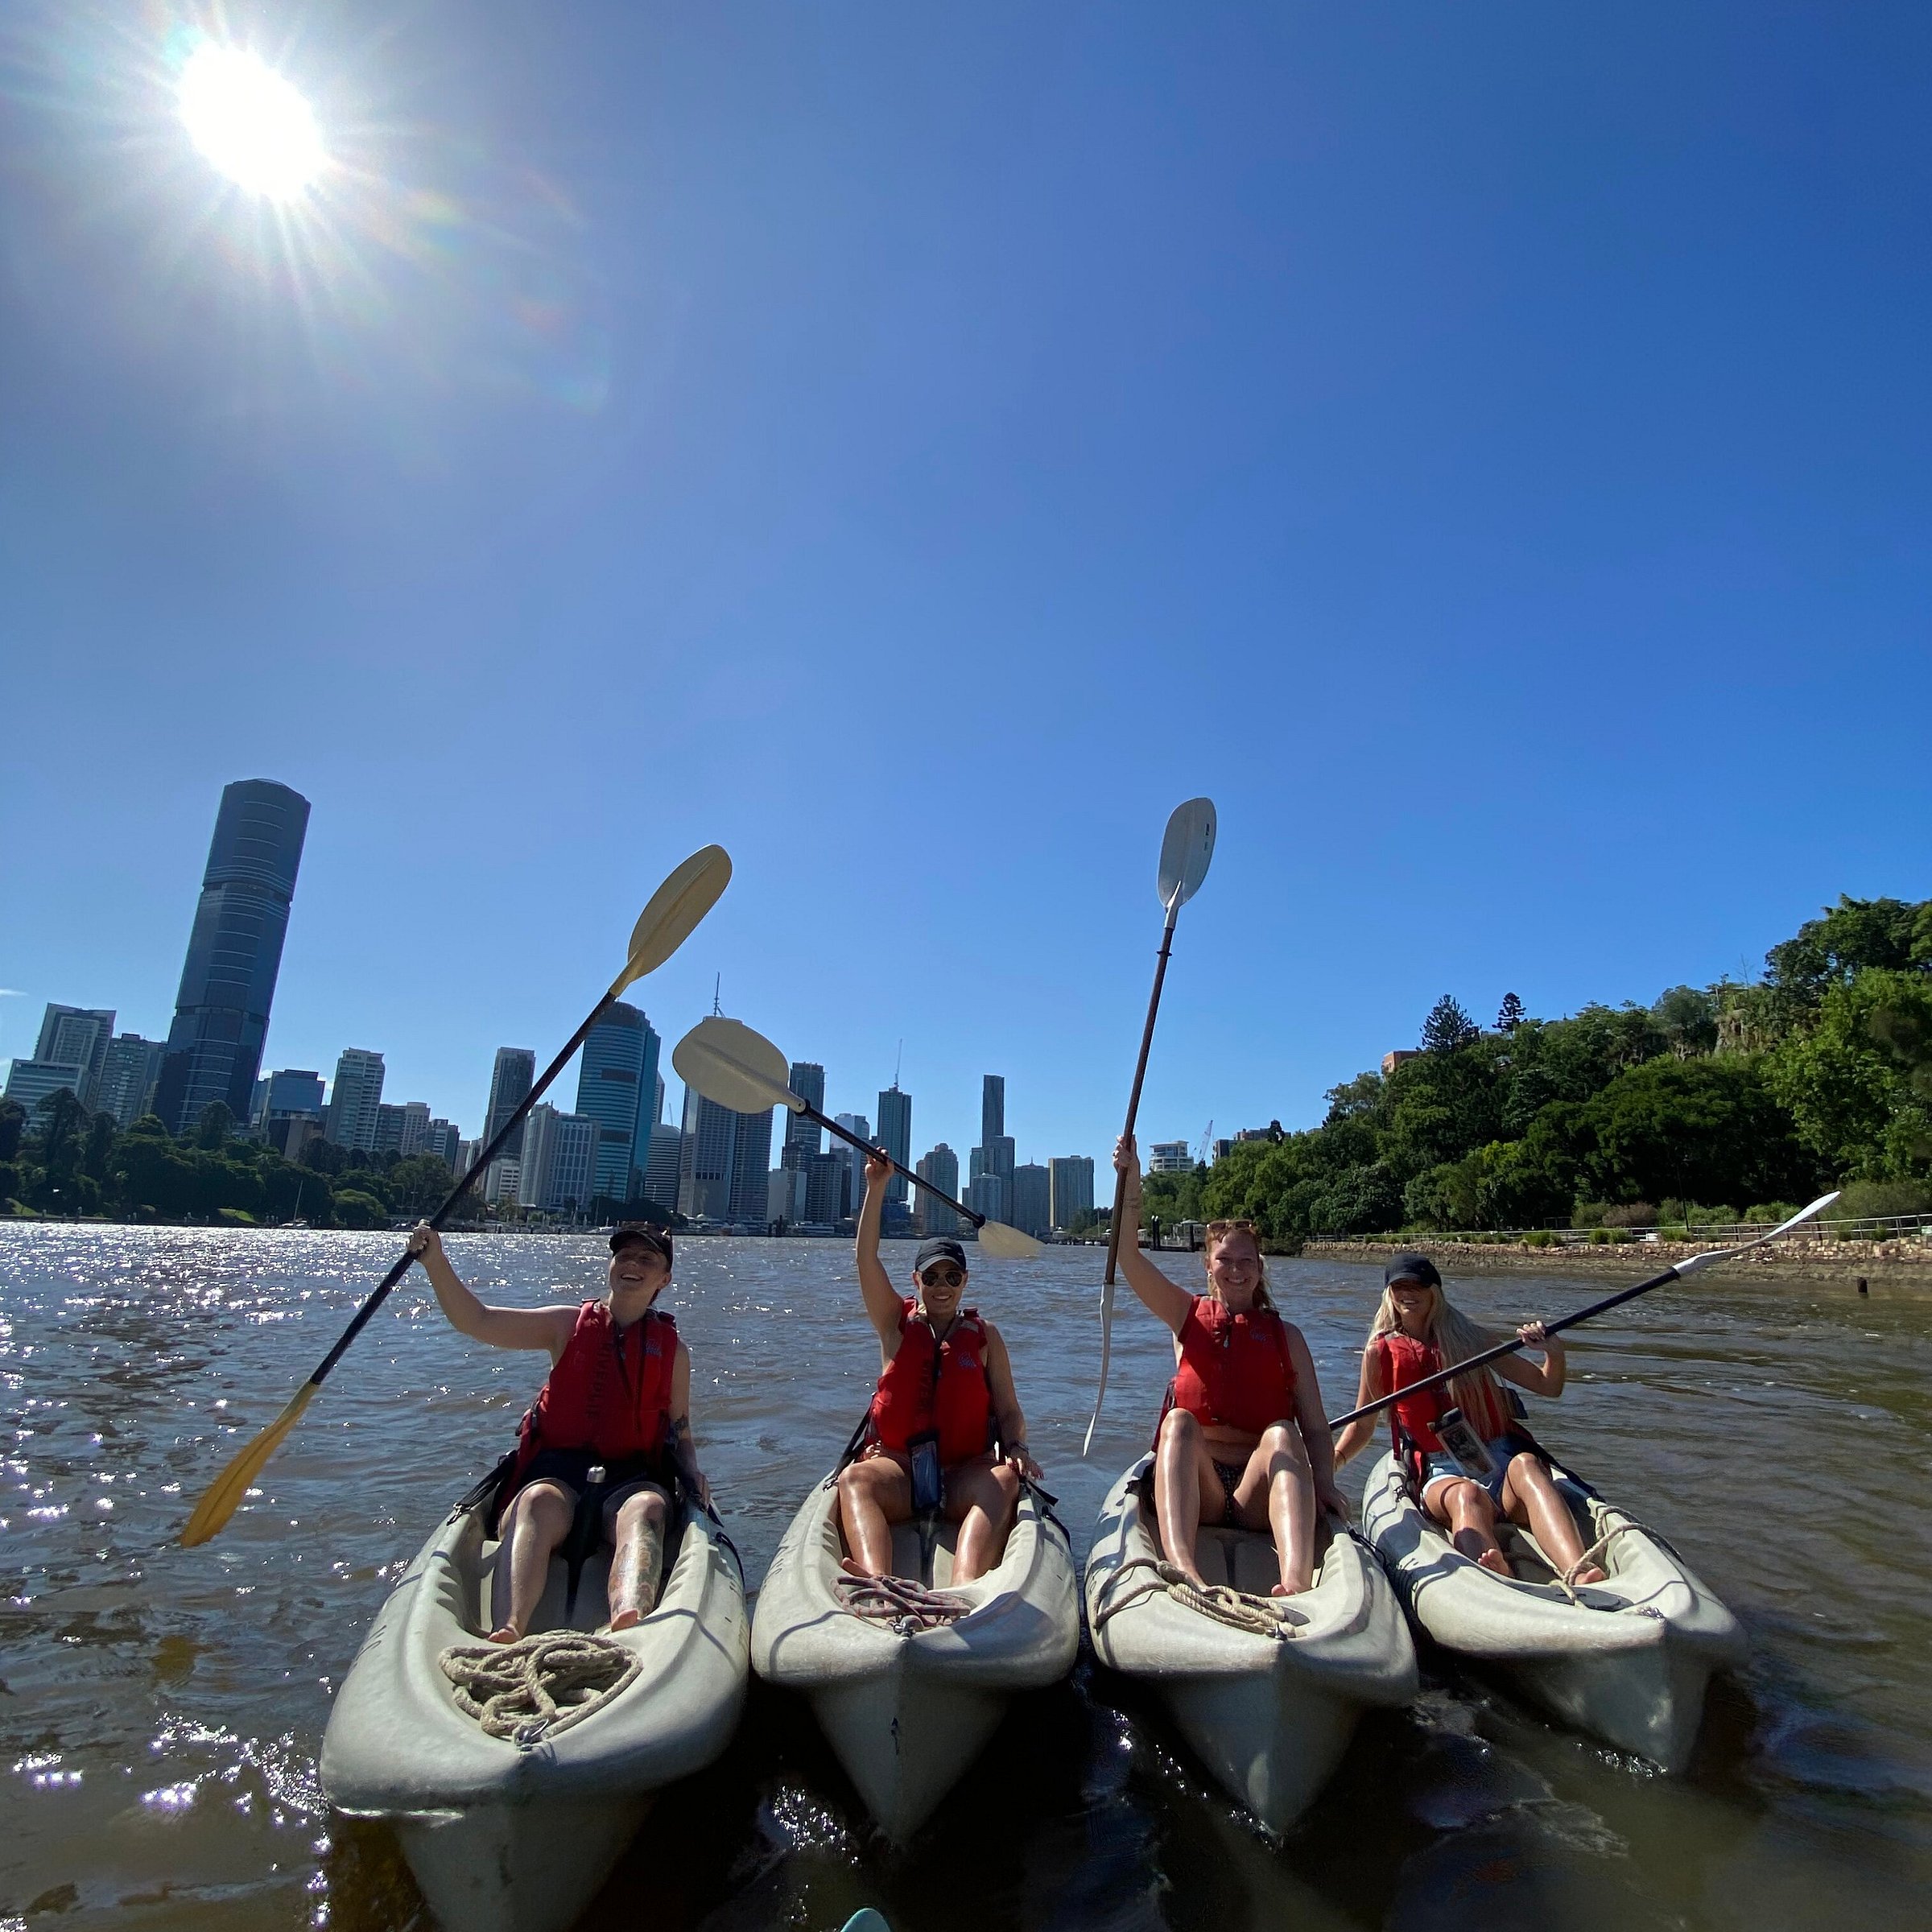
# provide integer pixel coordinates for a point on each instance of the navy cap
(939, 1250)
(653, 1238)
(1411, 1268)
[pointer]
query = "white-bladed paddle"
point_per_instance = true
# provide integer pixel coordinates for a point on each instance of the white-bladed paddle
(664, 925)
(1694, 1265)
(732, 1066)
(1187, 850)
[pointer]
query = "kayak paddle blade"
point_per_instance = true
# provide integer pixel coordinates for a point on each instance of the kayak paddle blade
(1187, 850)
(674, 912)
(1005, 1244)
(1099, 1394)
(732, 1066)
(224, 1495)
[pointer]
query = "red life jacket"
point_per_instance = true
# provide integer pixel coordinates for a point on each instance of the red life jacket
(1412, 1421)
(933, 1386)
(608, 1393)
(1234, 1370)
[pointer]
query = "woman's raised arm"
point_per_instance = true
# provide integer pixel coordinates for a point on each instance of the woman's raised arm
(1166, 1299)
(502, 1328)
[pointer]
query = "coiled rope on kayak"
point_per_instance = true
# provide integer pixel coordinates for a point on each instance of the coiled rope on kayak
(530, 1691)
(898, 1600)
(1273, 1617)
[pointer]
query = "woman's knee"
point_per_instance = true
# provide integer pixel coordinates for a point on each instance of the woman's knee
(1283, 1441)
(1180, 1429)
(544, 1506)
(647, 1506)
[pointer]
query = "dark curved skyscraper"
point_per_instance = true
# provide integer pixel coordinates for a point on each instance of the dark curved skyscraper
(234, 952)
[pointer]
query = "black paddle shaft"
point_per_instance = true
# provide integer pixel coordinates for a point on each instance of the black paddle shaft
(879, 1153)
(1509, 1347)
(1134, 1099)
(381, 1292)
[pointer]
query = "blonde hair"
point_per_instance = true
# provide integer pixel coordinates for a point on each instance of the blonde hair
(1452, 1333)
(1220, 1231)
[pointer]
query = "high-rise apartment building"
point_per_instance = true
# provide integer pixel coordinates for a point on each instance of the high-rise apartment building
(444, 1140)
(941, 1167)
(560, 1156)
(895, 1136)
(1032, 1199)
(234, 952)
(404, 1128)
(827, 1187)
(987, 1195)
(77, 1036)
(510, 1080)
(855, 1162)
(993, 1108)
(31, 1082)
(662, 1165)
(616, 1088)
(129, 1070)
(1070, 1181)
(354, 1099)
(994, 1155)
(1169, 1156)
(802, 1137)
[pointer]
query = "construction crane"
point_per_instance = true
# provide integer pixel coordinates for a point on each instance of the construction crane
(1205, 1152)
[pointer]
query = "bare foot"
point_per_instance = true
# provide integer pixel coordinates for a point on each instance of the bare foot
(1494, 1562)
(1591, 1573)
(857, 1570)
(505, 1634)
(1290, 1589)
(625, 1618)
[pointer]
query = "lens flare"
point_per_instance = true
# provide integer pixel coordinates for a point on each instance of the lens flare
(249, 123)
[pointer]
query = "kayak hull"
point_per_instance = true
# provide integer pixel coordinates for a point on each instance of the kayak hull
(907, 1712)
(504, 1840)
(1630, 1664)
(1270, 1718)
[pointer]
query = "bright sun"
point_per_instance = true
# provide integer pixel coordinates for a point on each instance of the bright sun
(249, 122)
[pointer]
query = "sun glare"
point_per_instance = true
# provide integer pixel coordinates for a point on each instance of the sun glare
(249, 123)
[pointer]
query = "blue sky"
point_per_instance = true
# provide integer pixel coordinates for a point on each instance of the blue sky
(1483, 449)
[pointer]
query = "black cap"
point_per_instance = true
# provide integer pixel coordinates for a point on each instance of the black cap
(939, 1250)
(653, 1238)
(1411, 1268)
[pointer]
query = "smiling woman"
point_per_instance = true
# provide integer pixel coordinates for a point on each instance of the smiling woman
(249, 122)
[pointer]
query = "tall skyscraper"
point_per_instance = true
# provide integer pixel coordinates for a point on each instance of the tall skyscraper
(1070, 1180)
(855, 1163)
(802, 1139)
(662, 1164)
(560, 1153)
(726, 1157)
(941, 1167)
(355, 1098)
(129, 1071)
(510, 1079)
(993, 1108)
(987, 1195)
(234, 952)
(77, 1036)
(827, 1187)
(617, 1086)
(1031, 1200)
(895, 1136)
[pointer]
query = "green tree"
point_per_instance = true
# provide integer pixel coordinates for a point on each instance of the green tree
(354, 1209)
(13, 1125)
(1854, 936)
(1688, 1017)
(1512, 1015)
(1446, 1027)
(1859, 1081)
(214, 1126)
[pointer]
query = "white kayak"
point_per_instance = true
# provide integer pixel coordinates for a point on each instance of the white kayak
(1271, 1716)
(1626, 1660)
(509, 1838)
(905, 1708)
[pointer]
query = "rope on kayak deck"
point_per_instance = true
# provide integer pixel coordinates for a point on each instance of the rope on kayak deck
(1566, 1578)
(898, 1600)
(530, 1691)
(1274, 1617)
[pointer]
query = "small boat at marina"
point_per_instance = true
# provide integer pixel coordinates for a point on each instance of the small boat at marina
(517, 1835)
(907, 1701)
(1627, 1660)
(1268, 1691)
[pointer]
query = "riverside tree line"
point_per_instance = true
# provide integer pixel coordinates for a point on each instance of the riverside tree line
(1723, 1102)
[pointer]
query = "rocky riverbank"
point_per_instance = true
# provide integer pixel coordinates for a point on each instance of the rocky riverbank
(1902, 1263)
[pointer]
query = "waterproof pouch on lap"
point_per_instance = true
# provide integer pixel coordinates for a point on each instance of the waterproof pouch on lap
(1473, 1457)
(928, 1481)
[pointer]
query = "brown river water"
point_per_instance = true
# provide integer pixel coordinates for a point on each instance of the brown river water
(162, 1709)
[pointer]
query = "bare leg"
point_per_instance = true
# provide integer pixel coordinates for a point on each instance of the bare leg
(1185, 1488)
(873, 1495)
(1529, 1496)
(1465, 1508)
(981, 1499)
(1277, 1475)
(637, 1539)
(539, 1520)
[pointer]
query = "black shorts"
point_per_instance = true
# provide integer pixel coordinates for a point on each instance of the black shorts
(571, 1468)
(1230, 1474)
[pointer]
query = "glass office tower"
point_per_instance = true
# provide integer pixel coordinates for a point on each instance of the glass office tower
(234, 952)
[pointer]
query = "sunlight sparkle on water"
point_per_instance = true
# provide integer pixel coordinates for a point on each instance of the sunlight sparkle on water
(249, 123)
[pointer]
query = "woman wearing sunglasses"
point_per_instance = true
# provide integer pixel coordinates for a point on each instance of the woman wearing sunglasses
(944, 1394)
(1243, 1443)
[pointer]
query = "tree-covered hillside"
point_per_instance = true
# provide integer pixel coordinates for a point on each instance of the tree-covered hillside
(1721, 1099)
